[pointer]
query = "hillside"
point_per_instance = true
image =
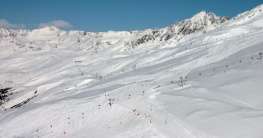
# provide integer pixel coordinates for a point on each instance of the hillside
(198, 78)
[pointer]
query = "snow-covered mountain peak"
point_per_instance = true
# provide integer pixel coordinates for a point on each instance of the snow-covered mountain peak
(203, 15)
(47, 29)
(202, 21)
(44, 33)
(207, 18)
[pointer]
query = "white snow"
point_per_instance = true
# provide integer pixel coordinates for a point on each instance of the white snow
(98, 85)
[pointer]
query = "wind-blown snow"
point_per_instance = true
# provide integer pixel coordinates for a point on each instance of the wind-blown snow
(204, 82)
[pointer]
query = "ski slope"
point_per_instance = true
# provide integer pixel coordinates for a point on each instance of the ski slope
(74, 84)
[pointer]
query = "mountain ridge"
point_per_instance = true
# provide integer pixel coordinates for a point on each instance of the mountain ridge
(201, 22)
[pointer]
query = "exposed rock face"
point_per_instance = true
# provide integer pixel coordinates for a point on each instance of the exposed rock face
(4, 93)
(153, 35)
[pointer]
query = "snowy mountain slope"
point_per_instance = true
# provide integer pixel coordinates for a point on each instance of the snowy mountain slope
(98, 85)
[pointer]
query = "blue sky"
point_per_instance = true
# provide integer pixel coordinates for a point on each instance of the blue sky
(103, 15)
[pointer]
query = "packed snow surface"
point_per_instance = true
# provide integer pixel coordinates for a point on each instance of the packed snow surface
(204, 80)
